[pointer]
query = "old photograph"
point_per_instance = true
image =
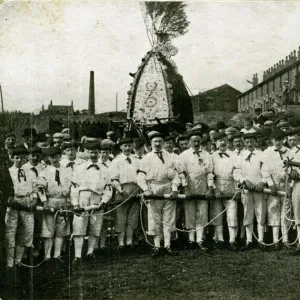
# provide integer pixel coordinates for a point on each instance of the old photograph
(149, 150)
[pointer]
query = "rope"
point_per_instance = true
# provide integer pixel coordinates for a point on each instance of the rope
(143, 228)
(28, 266)
(98, 214)
(192, 230)
(285, 215)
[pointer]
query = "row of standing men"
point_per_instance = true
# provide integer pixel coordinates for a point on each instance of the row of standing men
(71, 183)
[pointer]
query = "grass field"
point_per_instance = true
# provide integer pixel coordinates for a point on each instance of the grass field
(192, 275)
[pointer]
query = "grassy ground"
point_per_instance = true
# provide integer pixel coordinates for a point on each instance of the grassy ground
(192, 275)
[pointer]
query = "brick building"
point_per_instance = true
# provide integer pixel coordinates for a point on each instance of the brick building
(222, 98)
(280, 88)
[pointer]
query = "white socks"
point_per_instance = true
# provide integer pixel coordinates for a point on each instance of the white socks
(249, 231)
(275, 230)
(167, 238)
(192, 236)
(157, 239)
(78, 243)
(121, 236)
(232, 234)
(219, 233)
(284, 231)
(19, 253)
(261, 231)
(199, 234)
(129, 235)
(58, 242)
(48, 243)
(91, 244)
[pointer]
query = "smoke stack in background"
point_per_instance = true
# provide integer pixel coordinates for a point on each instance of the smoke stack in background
(92, 94)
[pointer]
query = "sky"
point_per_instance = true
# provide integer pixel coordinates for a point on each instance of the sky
(48, 48)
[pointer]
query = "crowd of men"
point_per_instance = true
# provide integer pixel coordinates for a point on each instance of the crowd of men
(208, 165)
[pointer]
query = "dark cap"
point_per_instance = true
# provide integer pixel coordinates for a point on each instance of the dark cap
(125, 140)
(92, 146)
(277, 134)
(51, 151)
(69, 144)
(34, 150)
(138, 142)
(248, 136)
(220, 135)
(194, 133)
(19, 150)
(169, 138)
(221, 125)
(182, 138)
(293, 132)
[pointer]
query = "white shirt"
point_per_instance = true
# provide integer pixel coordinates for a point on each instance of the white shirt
(273, 169)
(57, 189)
(22, 180)
(123, 171)
(197, 166)
(248, 167)
(106, 164)
(71, 164)
(223, 164)
(29, 167)
(153, 169)
(88, 176)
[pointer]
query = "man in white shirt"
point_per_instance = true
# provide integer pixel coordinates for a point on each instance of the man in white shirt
(273, 171)
(57, 179)
(93, 188)
(35, 166)
(19, 225)
(123, 174)
(70, 150)
(223, 164)
(197, 167)
(157, 176)
(247, 171)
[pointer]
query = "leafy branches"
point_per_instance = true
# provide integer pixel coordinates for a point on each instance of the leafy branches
(168, 18)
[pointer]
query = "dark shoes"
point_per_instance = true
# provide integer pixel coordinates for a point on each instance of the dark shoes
(156, 252)
(170, 252)
(90, 257)
(233, 246)
(201, 247)
(247, 247)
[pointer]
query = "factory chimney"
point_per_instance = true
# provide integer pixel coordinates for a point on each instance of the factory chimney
(92, 94)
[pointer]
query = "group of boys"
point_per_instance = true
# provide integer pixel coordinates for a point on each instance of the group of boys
(70, 181)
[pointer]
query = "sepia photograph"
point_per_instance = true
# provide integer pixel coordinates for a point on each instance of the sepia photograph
(149, 150)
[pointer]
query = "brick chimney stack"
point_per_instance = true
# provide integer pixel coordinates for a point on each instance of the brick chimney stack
(92, 94)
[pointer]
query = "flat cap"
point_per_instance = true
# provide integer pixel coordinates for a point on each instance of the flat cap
(154, 134)
(125, 140)
(51, 151)
(19, 150)
(194, 133)
(283, 125)
(277, 134)
(69, 144)
(92, 146)
(34, 150)
(248, 136)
